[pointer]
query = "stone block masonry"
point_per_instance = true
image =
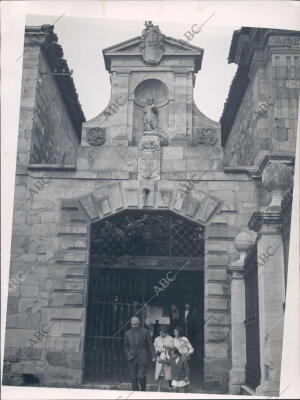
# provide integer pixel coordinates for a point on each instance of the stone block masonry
(104, 173)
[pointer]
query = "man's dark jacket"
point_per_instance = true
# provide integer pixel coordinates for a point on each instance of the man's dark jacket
(139, 345)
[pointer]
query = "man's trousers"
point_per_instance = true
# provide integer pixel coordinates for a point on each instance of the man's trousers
(137, 371)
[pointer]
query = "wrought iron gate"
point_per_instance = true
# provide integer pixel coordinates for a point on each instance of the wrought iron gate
(253, 373)
(114, 296)
(117, 294)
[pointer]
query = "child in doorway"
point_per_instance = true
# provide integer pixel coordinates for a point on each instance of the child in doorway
(179, 370)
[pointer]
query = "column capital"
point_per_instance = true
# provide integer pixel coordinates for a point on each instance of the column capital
(236, 271)
(258, 219)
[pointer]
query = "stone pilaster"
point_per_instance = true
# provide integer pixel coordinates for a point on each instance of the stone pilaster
(271, 282)
(242, 243)
(217, 314)
(271, 293)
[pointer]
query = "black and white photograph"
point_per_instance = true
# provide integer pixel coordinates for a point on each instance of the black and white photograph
(150, 233)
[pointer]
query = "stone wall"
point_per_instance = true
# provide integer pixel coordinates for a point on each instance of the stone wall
(50, 244)
(53, 245)
(260, 116)
(53, 137)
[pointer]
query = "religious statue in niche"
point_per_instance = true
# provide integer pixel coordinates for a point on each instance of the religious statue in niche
(150, 116)
(152, 43)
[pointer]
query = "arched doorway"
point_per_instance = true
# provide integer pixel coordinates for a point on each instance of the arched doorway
(132, 256)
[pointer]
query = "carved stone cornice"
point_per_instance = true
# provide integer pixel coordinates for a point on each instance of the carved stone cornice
(283, 158)
(258, 219)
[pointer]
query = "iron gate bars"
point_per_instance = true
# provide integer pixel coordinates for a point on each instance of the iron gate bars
(140, 233)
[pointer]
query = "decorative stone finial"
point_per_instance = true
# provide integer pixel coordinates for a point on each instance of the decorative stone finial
(242, 243)
(277, 178)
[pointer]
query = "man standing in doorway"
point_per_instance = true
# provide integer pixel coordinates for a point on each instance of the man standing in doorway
(138, 346)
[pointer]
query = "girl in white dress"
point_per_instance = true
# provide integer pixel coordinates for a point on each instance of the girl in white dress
(163, 343)
(182, 343)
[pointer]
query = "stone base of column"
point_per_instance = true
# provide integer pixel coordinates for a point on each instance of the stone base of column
(268, 389)
(236, 379)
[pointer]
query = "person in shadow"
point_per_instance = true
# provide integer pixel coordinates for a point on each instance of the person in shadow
(155, 330)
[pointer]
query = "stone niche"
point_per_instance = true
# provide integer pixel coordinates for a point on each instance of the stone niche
(158, 91)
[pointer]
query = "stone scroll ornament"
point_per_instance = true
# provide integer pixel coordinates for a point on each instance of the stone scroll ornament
(152, 43)
(96, 136)
(149, 158)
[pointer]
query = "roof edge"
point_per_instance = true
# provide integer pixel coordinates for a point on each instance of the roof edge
(48, 41)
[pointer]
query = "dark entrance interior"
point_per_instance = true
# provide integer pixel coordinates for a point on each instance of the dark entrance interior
(253, 372)
(131, 253)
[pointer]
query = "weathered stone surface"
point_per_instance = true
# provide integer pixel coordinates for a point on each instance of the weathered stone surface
(50, 284)
(85, 183)
(217, 289)
(75, 284)
(216, 334)
(16, 353)
(31, 305)
(12, 305)
(76, 271)
(60, 376)
(216, 274)
(217, 318)
(28, 367)
(74, 229)
(73, 299)
(68, 344)
(62, 359)
(215, 230)
(217, 350)
(216, 245)
(217, 258)
(216, 304)
(172, 153)
(29, 290)
(71, 327)
(216, 374)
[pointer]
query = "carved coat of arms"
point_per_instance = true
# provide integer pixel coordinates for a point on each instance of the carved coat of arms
(152, 43)
(149, 158)
(96, 136)
(206, 136)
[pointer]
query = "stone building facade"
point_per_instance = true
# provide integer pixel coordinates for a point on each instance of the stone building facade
(152, 152)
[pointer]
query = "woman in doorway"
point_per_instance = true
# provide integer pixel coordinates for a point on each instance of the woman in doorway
(163, 343)
(182, 343)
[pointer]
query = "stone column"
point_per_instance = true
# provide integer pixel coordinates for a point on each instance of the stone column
(242, 242)
(271, 284)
